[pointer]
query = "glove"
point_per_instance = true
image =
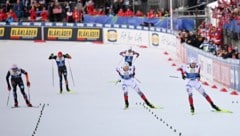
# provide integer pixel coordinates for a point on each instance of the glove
(133, 74)
(28, 84)
(183, 77)
(9, 88)
(117, 70)
(51, 56)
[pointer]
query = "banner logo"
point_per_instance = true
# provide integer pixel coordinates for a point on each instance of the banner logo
(112, 35)
(155, 39)
(59, 33)
(17, 33)
(2, 31)
(88, 34)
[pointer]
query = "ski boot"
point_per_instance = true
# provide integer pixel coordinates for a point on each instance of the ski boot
(126, 105)
(215, 107)
(149, 104)
(67, 88)
(192, 109)
(16, 104)
(28, 103)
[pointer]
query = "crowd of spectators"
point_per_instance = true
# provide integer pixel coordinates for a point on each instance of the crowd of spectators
(209, 38)
(69, 11)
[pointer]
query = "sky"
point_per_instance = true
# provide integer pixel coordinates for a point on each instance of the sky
(95, 106)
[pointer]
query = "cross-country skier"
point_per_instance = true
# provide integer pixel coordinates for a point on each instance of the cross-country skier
(127, 74)
(191, 72)
(129, 55)
(16, 80)
(62, 69)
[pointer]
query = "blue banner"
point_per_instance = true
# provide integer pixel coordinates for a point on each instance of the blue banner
(164, 22)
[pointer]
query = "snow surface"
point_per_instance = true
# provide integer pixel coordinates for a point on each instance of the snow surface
(96, 106)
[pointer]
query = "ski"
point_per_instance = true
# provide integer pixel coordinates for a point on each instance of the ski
(115, 81)
(67, 92)
(157, 107)
(33, 106)
(222, 111)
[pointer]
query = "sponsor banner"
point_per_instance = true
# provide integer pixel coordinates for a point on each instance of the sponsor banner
(23, 33)
(216, 71)
(206, 67)
(225, 74)
(168, 40)
(126, 36)
(234, 75)
(57, 33)
(237, 75)
(72, 34)
(2, 32)
(89, 34)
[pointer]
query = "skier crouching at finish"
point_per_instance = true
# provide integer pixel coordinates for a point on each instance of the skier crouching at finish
(191, 72)
(129, 55)
(16, 80)
(62, 69)
(127, 74)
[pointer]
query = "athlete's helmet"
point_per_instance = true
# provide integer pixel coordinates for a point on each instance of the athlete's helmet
(129, 49)
(192, 60)
(126, 64)
(60, 54)
(14, 67)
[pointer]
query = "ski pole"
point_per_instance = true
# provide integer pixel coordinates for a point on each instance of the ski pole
(134, 60)
(71, 73)
(52, 74)
(173, 76)
(138, 80)
(8, 97)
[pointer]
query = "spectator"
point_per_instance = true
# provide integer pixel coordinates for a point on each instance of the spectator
(204, 45)
(57, 12)
(139, 13)
(107, 6)
(44, 15)
(238, 55)
(18, 8)
(121, 13)
(3, 15)
(69, 17)
(50, 11)
(93, 13)
(129, 12)
(12, 14)
(77, 15)
(159, 13)
(79, 5)
(89, 7)
(126, 4)
(191, 39)
(199, 41)
(9, 19)
(100, 12)
(212, 47)
(33, 14)
(117, 5)
(7, 6)
(151, 14)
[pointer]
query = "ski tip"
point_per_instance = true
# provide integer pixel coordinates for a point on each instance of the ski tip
(157, 107)
(222, 111)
